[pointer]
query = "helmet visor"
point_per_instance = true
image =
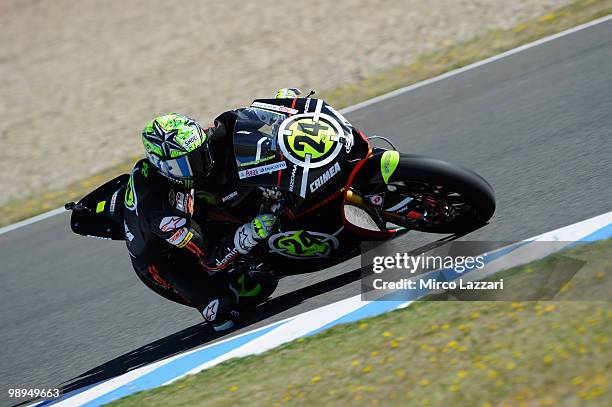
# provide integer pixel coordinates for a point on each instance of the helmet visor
(189, 166)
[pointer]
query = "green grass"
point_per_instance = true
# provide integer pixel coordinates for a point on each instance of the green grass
(433, 353)
(425, 66)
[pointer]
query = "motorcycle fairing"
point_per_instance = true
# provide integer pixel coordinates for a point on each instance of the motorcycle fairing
(100, 213)
(296, 145)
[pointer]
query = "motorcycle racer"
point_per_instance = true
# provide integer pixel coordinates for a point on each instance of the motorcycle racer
(170, 252)
(189, 216)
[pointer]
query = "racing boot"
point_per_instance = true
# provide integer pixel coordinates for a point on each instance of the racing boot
(221, 312)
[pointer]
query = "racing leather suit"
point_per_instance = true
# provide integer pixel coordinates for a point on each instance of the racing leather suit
(169, 250)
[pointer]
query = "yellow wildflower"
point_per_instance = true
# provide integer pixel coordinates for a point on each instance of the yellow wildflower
(547, 17)
(578, 380)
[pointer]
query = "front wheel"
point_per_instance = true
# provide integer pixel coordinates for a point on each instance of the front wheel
(426, 194)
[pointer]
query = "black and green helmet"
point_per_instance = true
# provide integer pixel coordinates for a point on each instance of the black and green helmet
(177, 146)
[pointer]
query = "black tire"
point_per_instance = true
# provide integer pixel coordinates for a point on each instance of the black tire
(476, 192)
(470, 198)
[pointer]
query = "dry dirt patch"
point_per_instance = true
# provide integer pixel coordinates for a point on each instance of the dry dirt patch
(79, 79)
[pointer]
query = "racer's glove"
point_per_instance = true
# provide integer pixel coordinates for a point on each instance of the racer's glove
(248, 235)
(288, 93)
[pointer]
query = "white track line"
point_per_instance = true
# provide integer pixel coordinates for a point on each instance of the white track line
(389, 95)
(302, 324)
(458, 71)
(29, 221)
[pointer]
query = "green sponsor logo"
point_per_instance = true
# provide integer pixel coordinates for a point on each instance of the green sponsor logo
(100, 206)
(145, 169)
(130, 200)
(261, 160)
(303, 244)
(388, 163)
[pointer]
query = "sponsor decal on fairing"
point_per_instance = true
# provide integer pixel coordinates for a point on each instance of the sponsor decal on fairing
(230, 196)
(275, 108)
(376, 199)
(292, 179)
(253, 172)
(113, 202)
(325, 177)
(401, 206)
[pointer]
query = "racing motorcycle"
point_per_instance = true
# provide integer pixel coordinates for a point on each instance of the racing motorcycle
(330, 187)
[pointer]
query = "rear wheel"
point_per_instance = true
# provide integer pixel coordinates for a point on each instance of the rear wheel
(429, 195)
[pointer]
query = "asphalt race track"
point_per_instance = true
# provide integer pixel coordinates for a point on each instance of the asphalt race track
(537, 125)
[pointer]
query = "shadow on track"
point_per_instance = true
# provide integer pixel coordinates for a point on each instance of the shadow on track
(201, 334)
